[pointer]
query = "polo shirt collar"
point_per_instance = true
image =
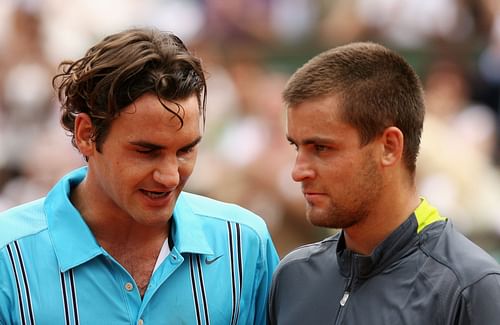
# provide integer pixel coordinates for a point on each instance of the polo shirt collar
(73, 241)
(188, 231)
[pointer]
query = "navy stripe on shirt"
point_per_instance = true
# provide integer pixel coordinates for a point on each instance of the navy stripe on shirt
(240, 268)
(26, 284)
(18, 285)
(203, 293)
(73, 296)
(65, 298)
(195, 293)
(68, 289)
(236, 268)
(233, 281)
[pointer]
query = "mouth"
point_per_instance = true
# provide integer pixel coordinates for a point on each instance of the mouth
(311, 193)
(155, 195)
(313, 196)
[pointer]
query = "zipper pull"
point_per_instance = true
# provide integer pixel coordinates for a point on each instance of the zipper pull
(344, 298)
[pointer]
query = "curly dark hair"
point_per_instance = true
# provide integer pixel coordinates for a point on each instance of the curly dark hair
(121, 68)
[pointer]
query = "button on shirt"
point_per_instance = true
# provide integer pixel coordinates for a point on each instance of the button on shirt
(52, 270)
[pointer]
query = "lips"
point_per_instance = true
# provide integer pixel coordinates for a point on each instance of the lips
(155, 195)
(157, 198)
(312, 196)
(311, 192)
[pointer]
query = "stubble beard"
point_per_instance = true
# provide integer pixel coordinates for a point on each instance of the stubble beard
(336, 217)
(356, 205)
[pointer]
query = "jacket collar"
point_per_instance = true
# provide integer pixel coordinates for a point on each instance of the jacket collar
(74, 243)
(392, 248)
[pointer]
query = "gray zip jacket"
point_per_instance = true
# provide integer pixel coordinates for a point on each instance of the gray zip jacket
(424, 273)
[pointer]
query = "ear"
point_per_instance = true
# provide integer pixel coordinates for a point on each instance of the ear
(393, 142)
(83, 134)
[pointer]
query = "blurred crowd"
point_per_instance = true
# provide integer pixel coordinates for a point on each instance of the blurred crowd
(249, 49)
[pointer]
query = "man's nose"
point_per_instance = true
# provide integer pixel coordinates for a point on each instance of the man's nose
(167, 173)
(302, 169)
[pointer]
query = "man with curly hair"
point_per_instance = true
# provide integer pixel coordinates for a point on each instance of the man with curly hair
(119, 241)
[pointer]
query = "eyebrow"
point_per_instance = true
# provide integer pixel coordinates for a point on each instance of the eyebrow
(153, 146)
(192, 144)
(148, 145)
(311, 140)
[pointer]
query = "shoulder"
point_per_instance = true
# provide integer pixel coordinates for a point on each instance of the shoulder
(307, 256)
(465, 259)
(313, 265)
(214, 211)
(21, 221)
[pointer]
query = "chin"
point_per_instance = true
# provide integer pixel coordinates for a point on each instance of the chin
(317, 219)
(154, 221)
(324, 219)
(149, 218)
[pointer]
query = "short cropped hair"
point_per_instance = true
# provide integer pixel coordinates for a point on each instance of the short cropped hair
(121, 68)
(376, 89)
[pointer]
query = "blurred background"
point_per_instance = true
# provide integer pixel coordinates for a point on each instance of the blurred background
(250, 48)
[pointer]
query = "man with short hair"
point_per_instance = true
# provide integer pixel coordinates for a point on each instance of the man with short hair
(118, 241)
(355, 116)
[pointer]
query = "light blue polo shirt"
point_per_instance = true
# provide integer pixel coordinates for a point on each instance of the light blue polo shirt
(53, 271)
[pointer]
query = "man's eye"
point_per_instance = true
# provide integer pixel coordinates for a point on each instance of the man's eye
(145, 151)
(187, 150)
(320, 148)
(294, 145)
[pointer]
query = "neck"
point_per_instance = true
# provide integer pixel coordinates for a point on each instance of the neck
(110, 226)
(385, 217)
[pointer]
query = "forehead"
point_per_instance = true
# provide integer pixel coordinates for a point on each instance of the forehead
(148, 107)
(324, 111)
(318, 118)
(148, 117)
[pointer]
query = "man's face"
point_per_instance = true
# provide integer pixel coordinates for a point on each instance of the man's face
(145, 161)
(340, 179)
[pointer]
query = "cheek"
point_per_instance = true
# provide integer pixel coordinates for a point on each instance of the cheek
(186, 166)
(340, 174)
(129, 172)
